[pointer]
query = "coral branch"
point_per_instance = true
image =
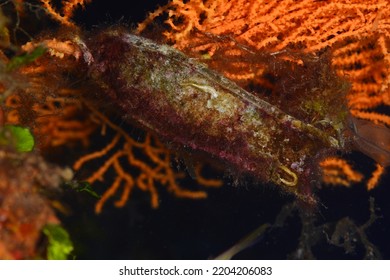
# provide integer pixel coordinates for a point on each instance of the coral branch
(150, 173)
(376, 175)
(338, 172)
(64, 17)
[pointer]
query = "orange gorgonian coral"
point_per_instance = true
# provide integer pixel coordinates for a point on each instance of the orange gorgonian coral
(156, 171)
(68, 8)
(50, 106)
(226, 34)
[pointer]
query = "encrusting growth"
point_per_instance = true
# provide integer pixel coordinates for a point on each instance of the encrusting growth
(24, 211)
(193, 107)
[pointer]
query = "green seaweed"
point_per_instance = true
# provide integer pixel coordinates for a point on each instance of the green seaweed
(60, 246)
(20, 60)
(19, 137)
(82, 187)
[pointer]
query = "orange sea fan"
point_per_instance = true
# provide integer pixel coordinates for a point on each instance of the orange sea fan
(43, 98)
(152, 171)
(68, 8)
(357, 33)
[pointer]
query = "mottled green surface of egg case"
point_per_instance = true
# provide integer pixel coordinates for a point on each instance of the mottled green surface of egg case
(189, 105)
